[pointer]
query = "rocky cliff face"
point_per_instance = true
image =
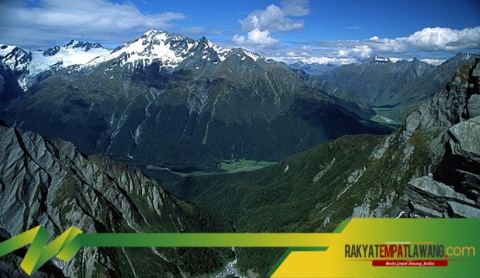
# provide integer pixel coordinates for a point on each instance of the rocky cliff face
(452, 188)
(49, 182)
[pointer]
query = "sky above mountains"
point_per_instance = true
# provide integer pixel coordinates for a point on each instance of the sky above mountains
(324, 31)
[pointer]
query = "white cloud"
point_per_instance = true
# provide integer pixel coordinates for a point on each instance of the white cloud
(423, 42)
(387, 45)
(296, 7)
(238, 39)
(59, 20)
(290, 59)
(272, 19)
(428, 39)
(431, 39)
(256, 38)
(260, 37)
(260, 24)
(358, 52)
(431, 45)
(329, 60)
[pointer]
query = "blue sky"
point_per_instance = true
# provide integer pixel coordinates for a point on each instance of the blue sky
(336, 31)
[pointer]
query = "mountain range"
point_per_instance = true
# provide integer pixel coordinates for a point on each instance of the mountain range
(313, 68)
(182, 110)
(393, 89)
(168, 100)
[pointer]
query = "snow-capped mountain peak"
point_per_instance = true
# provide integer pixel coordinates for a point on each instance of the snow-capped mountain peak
(243, 54)
(73, 44)
(170, 49)
(73, 53)
(28, 64)
(167, 48)
(252, 55)
(210, 49)
(15, 58)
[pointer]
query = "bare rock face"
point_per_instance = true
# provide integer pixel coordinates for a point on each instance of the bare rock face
(460, 167)
(50, 183)
(474, 106)
(464, 136)
(452, 189)
(436, 199)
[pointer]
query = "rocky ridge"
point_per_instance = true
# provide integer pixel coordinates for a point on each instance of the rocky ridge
(454, 186)
(49, 182)
(450, 184)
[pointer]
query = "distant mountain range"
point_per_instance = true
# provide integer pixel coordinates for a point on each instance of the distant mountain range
(393, 89)
(169, 100)
(313, 68)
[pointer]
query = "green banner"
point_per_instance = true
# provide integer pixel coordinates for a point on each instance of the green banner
(359, 247)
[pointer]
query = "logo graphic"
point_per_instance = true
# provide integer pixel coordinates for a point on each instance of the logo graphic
(407, 253)
(358, 247)
(408, 247)
(65, 246)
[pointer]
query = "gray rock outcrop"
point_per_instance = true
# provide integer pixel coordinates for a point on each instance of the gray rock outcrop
(452, 189)
(49, 182)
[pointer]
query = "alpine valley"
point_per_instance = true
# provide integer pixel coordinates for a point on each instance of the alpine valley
(393, 89)
(157, 135)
